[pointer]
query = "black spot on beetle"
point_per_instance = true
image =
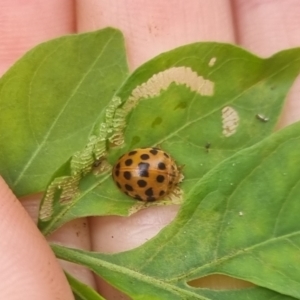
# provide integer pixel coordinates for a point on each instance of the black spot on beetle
(149, 192)
(153, 151)
(117, 166)
(128, 162)
(127, 175)
(141, 183)
(117, 173)
(128, 187)
(166, 155)
(144, 156)
(161, 166)
(143, 169)
(132, 152)
(161, 193)
(160, 178)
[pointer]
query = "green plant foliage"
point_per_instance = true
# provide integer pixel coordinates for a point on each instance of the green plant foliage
(50, 100)
(240, 220)
(69, 110)
(81, 291)
(201, 103)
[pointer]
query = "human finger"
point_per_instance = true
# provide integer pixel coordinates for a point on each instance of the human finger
(24, 24)
(29, 269)
(266, 27)
(152, 27)
(74, 234)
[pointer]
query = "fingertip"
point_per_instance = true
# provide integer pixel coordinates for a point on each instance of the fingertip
(153, 26)
(24, 24)
(114, 234)
(266, 27)
(29, 269)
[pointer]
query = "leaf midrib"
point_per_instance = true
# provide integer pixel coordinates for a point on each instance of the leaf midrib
(92, 263)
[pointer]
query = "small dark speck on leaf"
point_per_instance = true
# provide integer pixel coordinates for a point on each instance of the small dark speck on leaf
(97, 163)
(135, 140)
(207, 146)
(181, 105)
(157, 121)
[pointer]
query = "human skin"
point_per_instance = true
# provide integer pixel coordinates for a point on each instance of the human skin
(29, 269)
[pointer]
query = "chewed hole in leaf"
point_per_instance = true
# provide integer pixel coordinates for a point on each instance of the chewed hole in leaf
(110, 292)
(220, 282)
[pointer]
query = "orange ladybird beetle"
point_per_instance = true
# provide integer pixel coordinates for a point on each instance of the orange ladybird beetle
(147, 174)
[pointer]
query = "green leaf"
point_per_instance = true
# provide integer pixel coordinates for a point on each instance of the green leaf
(239, 220)
(201, 103)
(82, 291)
(50, 100)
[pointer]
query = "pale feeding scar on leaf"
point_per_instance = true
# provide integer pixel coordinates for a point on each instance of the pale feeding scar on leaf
(230, 121)
(67, 187)
(153, 87)
(82, 162)
(212, 61)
